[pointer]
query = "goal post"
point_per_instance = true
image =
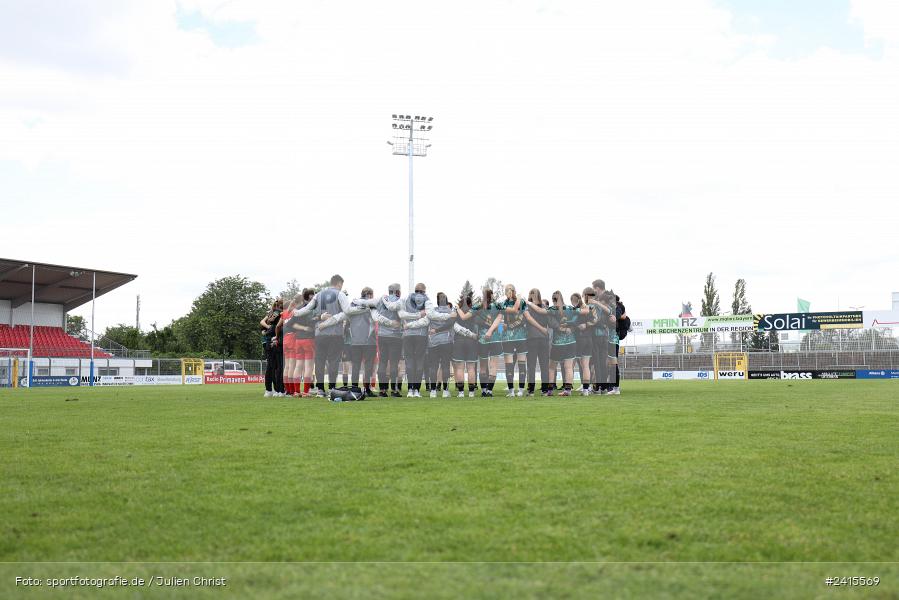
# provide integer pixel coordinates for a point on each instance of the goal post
(15, 367)
(191, 366)
(731, 365)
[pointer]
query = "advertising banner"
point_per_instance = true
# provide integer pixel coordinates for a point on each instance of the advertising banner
(689, 325)
(108, 380)
(212, 379)
(805, 321)
(159, 379)
(682, 375)
(833, 374)
(731, 374)
(800, 374)
(54, 381)
(881, 374)
(881, 319)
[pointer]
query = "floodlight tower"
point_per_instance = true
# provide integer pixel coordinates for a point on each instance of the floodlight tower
(408, 140)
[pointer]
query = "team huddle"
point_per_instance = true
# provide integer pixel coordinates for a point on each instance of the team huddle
(307, 341)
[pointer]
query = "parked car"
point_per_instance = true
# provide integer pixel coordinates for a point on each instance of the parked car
(230, 367)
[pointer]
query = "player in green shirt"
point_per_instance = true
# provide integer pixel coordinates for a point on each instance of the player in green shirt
(514, 340)
(488, 315)
(562, 319)
(583, 336)
(465, 347)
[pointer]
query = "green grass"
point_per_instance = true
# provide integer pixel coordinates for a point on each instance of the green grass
(660, 491)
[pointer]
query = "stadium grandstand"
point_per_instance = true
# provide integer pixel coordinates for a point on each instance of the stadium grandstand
(35, 299)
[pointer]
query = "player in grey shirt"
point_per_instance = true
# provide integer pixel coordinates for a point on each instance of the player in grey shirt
(325, 304)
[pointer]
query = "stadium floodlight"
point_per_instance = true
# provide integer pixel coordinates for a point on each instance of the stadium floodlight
(410, 145)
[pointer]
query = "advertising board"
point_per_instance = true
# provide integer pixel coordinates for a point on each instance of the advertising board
(218, 379)
(682, 375)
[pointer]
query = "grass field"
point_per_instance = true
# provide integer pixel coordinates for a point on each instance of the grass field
(674, 489)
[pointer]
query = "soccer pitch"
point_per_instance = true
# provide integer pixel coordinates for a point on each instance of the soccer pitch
(676, 489)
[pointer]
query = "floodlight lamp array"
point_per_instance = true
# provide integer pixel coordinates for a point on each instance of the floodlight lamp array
(406, 122)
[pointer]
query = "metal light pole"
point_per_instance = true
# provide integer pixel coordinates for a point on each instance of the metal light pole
(31, 331)
(408, 141)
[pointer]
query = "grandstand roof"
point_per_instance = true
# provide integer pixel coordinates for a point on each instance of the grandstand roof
(54, 284)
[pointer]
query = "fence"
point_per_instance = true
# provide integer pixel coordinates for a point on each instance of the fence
(112, 347)
(833, 340)
(641, 366)
(14, 364)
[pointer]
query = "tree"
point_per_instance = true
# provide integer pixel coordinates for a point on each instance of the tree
(711, 306)
(124, 335)
(76, 326)
(466, 289)
(762, 341)
(823, 339)
(773, 341)
(711, 302)
(224, 319)
(164, 341)
(292, 291)
(875, 339)
(740, 306)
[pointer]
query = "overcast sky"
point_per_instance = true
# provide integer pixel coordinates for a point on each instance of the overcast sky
(647, 143)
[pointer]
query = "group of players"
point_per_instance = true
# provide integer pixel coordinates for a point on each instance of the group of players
(309, 339)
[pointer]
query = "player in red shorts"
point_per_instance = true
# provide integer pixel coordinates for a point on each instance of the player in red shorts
(303, 329)
(291, 378)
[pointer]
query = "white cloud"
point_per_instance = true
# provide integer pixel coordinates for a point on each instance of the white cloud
(879, 18)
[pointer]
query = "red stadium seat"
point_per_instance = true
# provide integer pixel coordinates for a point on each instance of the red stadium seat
(48, 342)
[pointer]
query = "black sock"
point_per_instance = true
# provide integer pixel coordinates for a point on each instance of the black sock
(510, 376)
(460, 386)
(471, 387)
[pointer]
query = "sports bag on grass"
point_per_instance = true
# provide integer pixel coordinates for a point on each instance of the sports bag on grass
(346, 394)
